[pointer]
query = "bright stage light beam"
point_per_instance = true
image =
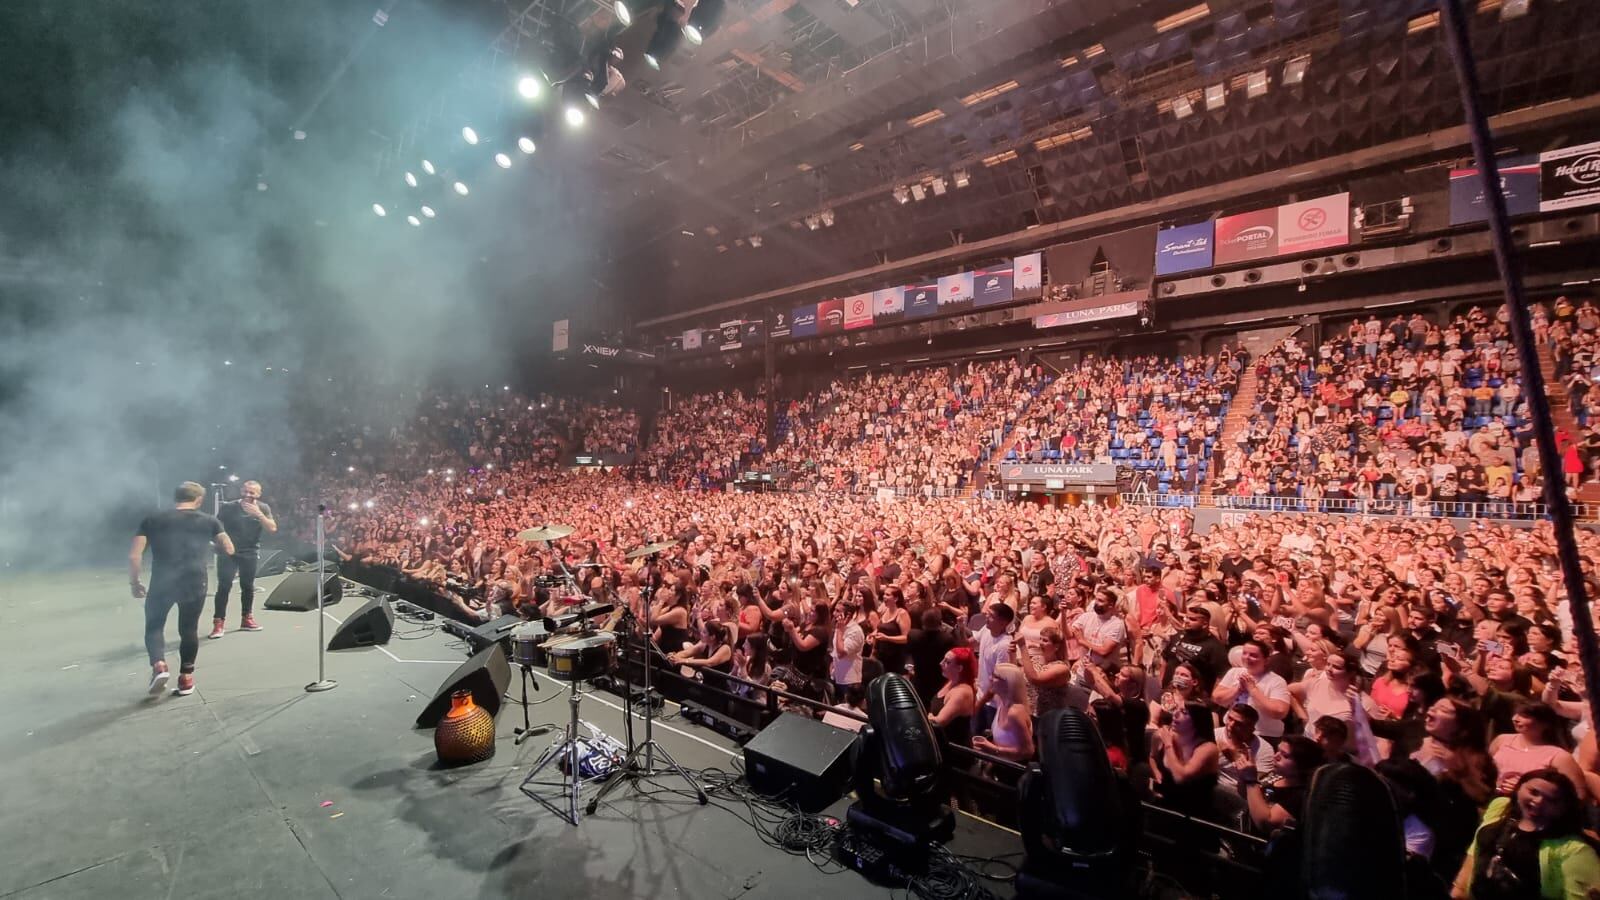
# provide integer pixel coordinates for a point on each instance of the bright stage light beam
(461, 189)
(468, 135)
(502, 160)
(427, 167)
(427, 212)
(529, 87)
(411, 180)
(574, 117)
(378, 208)
(525, 144)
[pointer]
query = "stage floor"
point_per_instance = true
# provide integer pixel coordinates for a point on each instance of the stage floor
(252, 787)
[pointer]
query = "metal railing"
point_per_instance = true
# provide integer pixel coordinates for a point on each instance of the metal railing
(1404, 507)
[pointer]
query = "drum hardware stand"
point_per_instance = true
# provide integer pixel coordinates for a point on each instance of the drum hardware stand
(630, 767)
(570, 787)
(527, 730)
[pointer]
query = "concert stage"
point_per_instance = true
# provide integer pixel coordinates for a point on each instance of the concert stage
(108, 792)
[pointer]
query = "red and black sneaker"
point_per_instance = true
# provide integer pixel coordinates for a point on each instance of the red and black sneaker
(217, 629)
(249, 623)
(185, 684)
(158, 677)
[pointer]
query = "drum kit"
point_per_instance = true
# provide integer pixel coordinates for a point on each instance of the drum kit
(571, 649)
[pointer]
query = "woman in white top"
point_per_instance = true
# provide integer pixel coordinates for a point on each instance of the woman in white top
(1013, 725)
(1322, 690)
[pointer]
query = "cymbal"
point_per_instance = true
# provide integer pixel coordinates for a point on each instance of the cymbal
(545, 533)
(650, 549)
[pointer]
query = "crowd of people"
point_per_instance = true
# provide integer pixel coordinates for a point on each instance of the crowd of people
(921, 430)
(1149, 413)
(1403, 411)
(704, 440)
(1223, 665)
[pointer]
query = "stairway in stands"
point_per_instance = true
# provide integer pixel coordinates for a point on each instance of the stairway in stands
(1239, 411)
(1561, 415)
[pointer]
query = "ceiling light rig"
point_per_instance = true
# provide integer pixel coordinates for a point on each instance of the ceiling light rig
(468, 135)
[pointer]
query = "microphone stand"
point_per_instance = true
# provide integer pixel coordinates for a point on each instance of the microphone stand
(323, 682)
(630, 767)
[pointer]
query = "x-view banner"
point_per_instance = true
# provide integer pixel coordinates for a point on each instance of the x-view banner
(733, 334)
(888, 304)
(858, 311)
(991, 287)
(804, 321)
(691, 339)
(921, 300)
(1519, 179)
(955, 291)
(830, 316)
(1247, 236)
(1185, 248)
(1027, 279)
(561, 339)
(1314, 224)
(1569, 178)
(780, 325)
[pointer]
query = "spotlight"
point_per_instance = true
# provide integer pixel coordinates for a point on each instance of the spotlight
(427, 167)
(529, 87)
(1294, 71)
(962, 178)
(827, 218)
(652, 62)
(593, 100)
(378, 208)
(1216, 96)
(1182, 107)
(620, 10)
(461, 189)
(427, 212)
(233, 478)
(468, 135)
(411, 180)
(574, 117)
(349, 468)
(371, 503)
(502, 160)
(901, 194)
(354, 507)
(703, 20)
(423, 521)
(755, 240)
(525, 144)
(694, 35)
(413, 221)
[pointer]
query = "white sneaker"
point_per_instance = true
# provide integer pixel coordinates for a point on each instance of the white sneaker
(158, 677)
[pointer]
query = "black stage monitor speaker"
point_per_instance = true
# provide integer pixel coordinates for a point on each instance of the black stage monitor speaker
(299, 592)
(272, 562)
(799, 760)
(372, 624)
(487, 675)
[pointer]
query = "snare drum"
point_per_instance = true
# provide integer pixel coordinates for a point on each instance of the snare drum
(580, 657)
(527, 644)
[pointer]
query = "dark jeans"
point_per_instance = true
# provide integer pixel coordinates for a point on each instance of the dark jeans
(243, 565)
(190, 599)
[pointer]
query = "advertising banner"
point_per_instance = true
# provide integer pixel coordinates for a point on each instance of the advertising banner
(754, 336)
(830, 316)
(1088, 473)
(858, 311)
(1185, 248)
(1247, 236)
(691, 339)
(780, 325)
(1569, 178)
(1314, 224)
(1027, 280)
(804, 321)
(955, 292)
(733, 334)
(1079, 312)
(1519, 179)
(888, 304)
(921, 300)
(991, 287)
(711, 338)
(561, 339)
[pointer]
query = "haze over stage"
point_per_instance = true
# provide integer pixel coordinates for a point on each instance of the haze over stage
(220, 794)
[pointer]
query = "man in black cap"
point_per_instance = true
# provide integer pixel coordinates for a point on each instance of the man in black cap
(179, 539)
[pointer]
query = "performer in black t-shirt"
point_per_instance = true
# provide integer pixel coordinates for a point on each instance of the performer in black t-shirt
(178, 539)
(245, 520)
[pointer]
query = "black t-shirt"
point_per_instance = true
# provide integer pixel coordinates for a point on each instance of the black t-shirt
(813, 663)
(1234, 567)
(1507, 864)
(1205, 652)
(927, 650)
(179, 541)
(243, 528)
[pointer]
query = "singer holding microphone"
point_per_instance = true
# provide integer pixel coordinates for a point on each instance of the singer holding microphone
(245, 520)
